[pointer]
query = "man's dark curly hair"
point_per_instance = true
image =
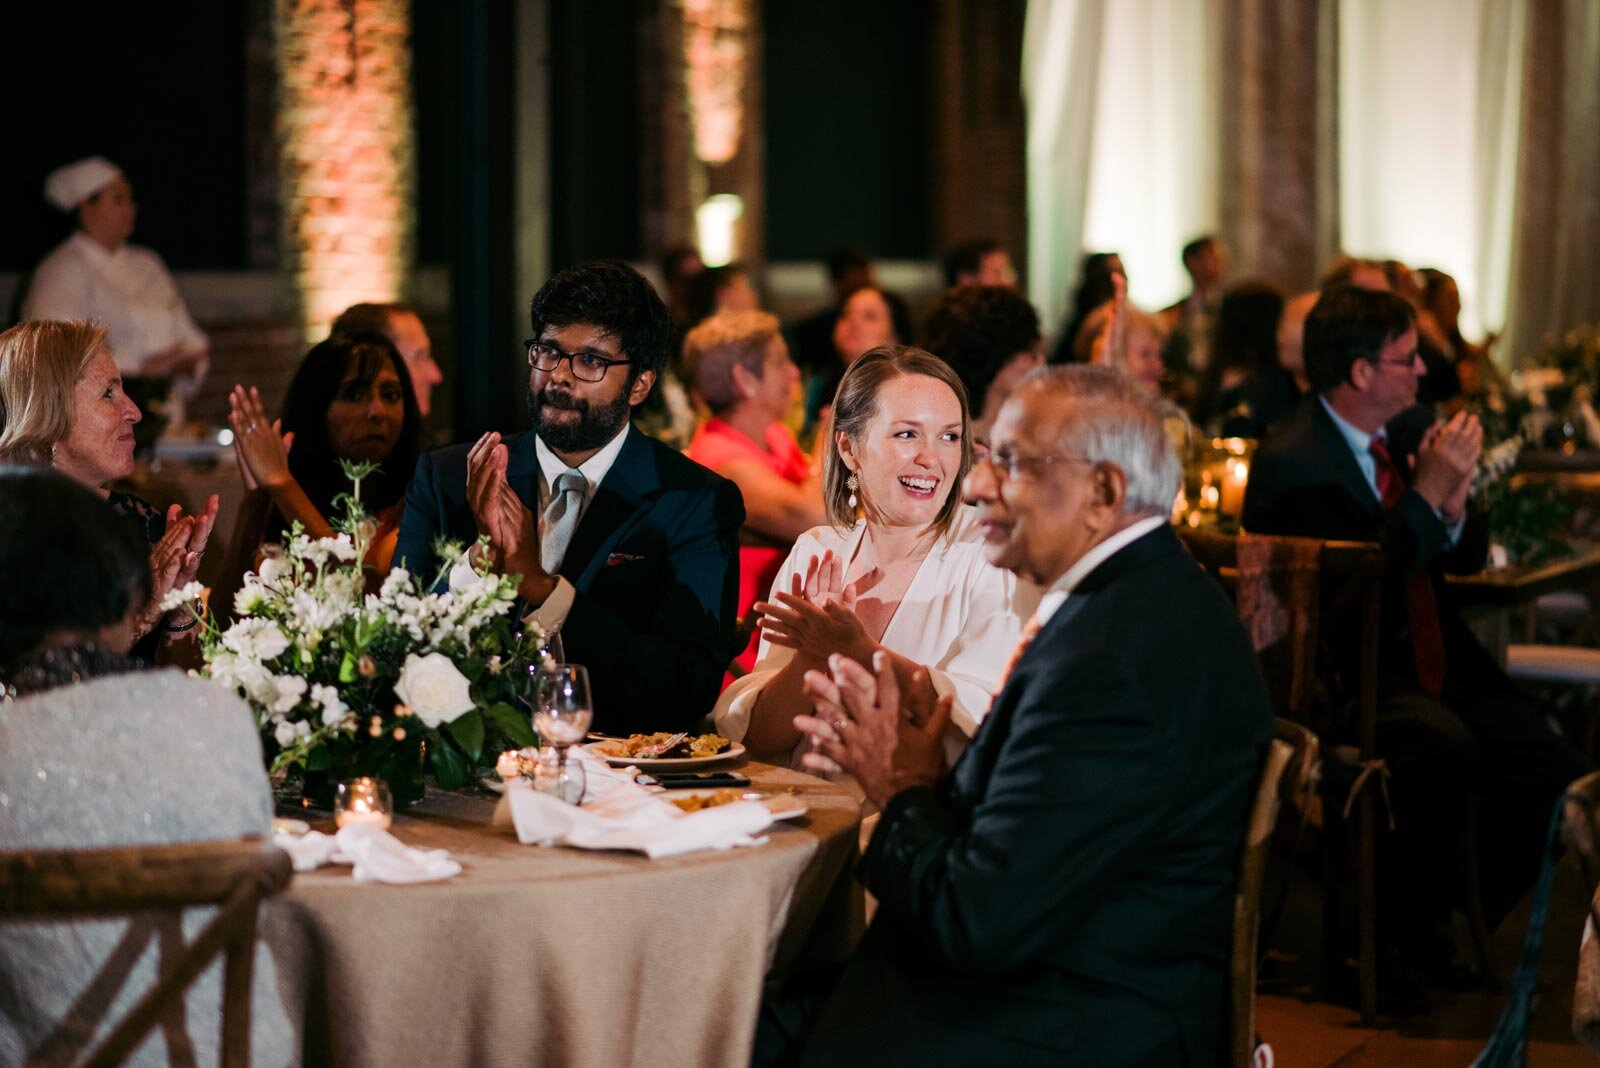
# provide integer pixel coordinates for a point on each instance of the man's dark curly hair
(616, 298)
(976, 329)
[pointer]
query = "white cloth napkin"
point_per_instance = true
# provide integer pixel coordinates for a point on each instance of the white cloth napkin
(617, 813)
(377, 855)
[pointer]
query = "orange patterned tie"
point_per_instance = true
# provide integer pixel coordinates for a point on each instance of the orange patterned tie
(1029, 629)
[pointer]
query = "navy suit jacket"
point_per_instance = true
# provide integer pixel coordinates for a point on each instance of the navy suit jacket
(1304, 481)
(654, 561)
(1065, 896)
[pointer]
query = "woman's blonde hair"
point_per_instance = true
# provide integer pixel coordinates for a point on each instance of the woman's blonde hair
(40, 365)
(854, 405)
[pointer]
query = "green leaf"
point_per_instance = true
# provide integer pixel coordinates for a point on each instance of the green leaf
(516, 725)
(449, 766)
(347, 668)
(320, 759)
(467, 730)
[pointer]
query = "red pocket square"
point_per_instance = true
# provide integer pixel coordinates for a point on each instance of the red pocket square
(621, 558)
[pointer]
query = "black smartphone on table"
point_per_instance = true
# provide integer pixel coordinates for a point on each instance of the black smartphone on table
(694, 779)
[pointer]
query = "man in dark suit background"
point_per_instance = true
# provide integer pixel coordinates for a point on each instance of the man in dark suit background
(1358, 462)
(1064, 895)
(634, 556)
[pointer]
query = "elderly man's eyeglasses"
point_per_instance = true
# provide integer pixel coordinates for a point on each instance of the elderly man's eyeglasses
(586, 366)
(1012, 464)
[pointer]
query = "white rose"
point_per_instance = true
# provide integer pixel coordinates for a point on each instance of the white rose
(274, 568)
(333, 707)
(250, 599)
(435, 690)
(284, 732)
(290, 689)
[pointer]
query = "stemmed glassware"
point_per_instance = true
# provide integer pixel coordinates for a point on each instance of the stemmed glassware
(562, 712)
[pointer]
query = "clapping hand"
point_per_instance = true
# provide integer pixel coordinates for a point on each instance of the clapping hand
(509, 524)
(259, 444)
(1445, 463)
(817, 616)
(175, 562)
(863, 726)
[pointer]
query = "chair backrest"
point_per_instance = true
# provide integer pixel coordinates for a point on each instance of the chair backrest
(99, 883)
(1580, 827)
(1288, 774)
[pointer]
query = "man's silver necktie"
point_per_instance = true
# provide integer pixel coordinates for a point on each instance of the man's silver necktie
(561, 518)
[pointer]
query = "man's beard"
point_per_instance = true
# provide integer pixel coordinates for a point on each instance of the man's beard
(594, 428)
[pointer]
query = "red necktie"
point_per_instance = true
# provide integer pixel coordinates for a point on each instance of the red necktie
(1029, 629)
(1422, 611)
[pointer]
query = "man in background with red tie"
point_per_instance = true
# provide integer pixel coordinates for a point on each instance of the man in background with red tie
(1360, 461)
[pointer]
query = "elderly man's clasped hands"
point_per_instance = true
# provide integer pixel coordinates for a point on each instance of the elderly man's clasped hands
(866, 727)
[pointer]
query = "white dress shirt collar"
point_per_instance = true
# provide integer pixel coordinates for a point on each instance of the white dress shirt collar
(1062, 588)
(593, 469)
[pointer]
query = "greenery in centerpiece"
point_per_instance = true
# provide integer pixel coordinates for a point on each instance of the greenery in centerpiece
(1528, 520)
(345, 681)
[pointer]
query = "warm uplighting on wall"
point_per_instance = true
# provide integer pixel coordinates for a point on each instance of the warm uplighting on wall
(345, 152)
(715, 61)
(715, 226)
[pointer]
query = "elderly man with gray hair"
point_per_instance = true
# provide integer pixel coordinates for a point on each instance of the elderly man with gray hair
(1064, 893)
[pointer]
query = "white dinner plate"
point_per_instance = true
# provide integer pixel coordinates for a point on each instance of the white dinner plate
(646, 764)
(782, 806)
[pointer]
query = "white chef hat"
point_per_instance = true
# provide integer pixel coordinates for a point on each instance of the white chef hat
(67, 187)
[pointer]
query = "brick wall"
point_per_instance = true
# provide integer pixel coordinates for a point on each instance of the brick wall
(346, 143)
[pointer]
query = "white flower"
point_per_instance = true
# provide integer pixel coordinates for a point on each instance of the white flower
(333, 707)
(436, 691)
(250, 599)
(275, 569)
(258, 639)
(284, 732)
(466, 582)
(182, 597)
(291, 688)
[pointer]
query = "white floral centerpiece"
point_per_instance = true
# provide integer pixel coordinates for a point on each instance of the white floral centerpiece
(346, 682)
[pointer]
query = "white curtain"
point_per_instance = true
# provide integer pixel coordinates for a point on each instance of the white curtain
(1429, 94)
(1122, 141)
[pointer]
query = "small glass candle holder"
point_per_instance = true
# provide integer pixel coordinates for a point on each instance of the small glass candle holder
(363, 800)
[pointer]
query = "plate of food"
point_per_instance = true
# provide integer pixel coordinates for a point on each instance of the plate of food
(663, 750)
(782, 806)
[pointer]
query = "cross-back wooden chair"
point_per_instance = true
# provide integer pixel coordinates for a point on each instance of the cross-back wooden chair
(1289, 591)
(1288, 776)
(99, 883)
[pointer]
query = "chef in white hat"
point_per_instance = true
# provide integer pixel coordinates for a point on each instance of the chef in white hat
(96, 274)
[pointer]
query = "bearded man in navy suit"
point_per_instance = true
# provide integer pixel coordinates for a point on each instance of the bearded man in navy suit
(623, 544)
(1064, 894)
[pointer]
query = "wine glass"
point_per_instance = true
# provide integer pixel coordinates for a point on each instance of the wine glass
(562, 713)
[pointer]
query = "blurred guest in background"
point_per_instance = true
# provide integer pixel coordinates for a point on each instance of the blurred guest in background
(721, 289)
(1291, 335)
(869, 317)
(898, 567)
(97, 274)
(1116, 334)
(351, 399)
(983, 262)
(62, 405)
(679, 266)
(1442, 300)
(990, 335)
(811, 340)
(741, 370)
(1095, 288)
(1243, 389)
(171, 759)
(1457, 734)
(401, 324)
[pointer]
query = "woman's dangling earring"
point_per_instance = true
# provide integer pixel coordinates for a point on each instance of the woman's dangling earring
(852, 484)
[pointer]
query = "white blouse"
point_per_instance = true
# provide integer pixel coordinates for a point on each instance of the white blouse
(960, 617)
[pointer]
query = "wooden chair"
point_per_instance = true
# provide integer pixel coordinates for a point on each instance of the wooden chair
(1288, 776)
(99, 883)
(1345, 590)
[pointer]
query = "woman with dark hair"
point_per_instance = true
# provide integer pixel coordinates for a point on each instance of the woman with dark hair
(869, 317)
(96, 751)
(898, 567)
(1095, 288)
(351, 399)
(720, 289)
(1244, 389)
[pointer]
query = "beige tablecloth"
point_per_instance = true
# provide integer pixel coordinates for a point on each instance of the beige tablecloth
(557, 956)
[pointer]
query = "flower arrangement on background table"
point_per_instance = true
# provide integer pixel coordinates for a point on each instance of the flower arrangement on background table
(394, 683)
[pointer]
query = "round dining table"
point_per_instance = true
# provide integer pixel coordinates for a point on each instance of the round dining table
(556, 956)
